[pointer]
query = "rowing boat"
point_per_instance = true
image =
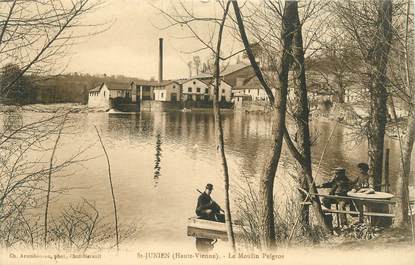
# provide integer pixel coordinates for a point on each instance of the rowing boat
(201, 228)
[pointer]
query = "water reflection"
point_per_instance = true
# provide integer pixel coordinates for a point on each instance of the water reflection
(185, 143)
(157, 167)
(12, 120)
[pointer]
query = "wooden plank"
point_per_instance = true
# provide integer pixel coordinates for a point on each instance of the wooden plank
(354, 198)
(200, 228)
(339, 211)
(379, 214)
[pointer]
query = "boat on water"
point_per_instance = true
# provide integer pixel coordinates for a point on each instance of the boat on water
(201, 228)
(186, 110)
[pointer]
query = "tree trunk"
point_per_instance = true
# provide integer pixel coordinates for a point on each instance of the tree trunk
(301, 118)
(219, 132)
(408, 145)
(267, 233)
(48, 190)
(409, 139)
(378, 59)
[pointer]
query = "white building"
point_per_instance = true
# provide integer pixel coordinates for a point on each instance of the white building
(99, 97)
(225, 91)
(195, 90)
(253, 88)
(167, 91)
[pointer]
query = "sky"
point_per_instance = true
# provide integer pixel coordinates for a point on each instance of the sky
(130, 46)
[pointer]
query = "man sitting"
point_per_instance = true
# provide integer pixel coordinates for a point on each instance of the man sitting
(339, 186)
(208, 209)
(361, 184)
(362, 181)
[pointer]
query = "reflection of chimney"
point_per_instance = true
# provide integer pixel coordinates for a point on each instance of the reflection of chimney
(161, 60)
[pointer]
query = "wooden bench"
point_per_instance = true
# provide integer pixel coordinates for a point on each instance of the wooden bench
(362, 211)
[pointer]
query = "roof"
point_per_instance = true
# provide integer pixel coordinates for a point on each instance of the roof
(204, 81)
(232, 68)
(98, 88)
(118, 85)
(145, 82)
(181, 81)
(250, 83)
(203, 76)
(165, 83)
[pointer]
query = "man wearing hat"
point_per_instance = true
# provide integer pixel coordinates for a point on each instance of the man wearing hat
(339, 185)
(207, 208)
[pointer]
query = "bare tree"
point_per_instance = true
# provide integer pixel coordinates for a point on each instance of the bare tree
(49, 185)
(219, 131)
(36, 33)
(184, 16)
(289, 20)
(114, 202)
(291, 26)
(369, 24)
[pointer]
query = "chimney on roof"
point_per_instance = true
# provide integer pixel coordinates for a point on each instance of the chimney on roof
(160, 60)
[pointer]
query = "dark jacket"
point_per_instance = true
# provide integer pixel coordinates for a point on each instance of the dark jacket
(338, 186)
(205, 202)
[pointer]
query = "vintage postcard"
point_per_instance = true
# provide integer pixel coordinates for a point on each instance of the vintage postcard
(207, 132)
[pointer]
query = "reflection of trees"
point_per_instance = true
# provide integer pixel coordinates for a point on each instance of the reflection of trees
(157, 167)
(12, 120)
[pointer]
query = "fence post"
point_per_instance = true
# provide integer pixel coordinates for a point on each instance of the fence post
(387, 170)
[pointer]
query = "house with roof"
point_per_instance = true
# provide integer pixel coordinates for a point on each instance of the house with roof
(196, 90)
(169, 90)
(251, 87)
(230, 73)
(142, 90)
(99, 97)
(225, 91)
(104, 95)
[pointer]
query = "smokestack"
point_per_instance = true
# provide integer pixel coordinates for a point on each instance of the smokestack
(161, 60)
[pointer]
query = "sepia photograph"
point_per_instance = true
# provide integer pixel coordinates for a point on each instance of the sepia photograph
(207, 132)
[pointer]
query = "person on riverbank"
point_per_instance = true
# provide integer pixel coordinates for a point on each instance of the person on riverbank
(362, 181)
(207, 208)
(361, 184)
(339, 185)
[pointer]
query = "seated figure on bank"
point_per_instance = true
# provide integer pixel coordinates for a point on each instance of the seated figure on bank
(207, 208)
(362, 180)
(339, 185)
(361, 184)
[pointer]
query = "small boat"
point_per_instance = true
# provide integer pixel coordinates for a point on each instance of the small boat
(200, 228)
(186, 110)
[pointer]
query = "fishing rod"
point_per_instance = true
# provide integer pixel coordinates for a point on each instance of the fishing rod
(220, 209)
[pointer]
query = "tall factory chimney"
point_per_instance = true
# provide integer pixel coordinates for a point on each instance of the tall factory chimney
(161, 60)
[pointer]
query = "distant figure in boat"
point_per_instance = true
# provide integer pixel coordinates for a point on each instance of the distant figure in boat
(207, 208)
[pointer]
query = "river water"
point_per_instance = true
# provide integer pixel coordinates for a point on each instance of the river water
(159, 159)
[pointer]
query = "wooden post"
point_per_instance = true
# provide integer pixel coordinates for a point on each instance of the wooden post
(387, 170)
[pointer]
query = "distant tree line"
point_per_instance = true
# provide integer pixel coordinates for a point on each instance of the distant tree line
(65, 88)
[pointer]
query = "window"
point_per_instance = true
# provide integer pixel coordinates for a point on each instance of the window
(104, 93)
(174, 86)
(198, 90)
(197, 97)
(223, 91)
(194, 82)
(162, 94)
(189, 90)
